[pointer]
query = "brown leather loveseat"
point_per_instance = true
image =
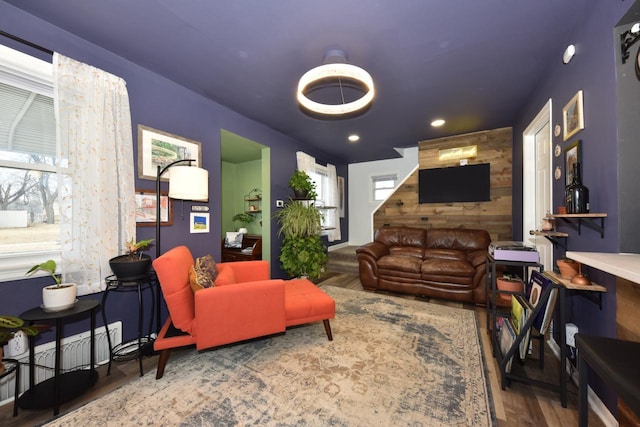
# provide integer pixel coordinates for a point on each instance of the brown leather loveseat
(438, 262)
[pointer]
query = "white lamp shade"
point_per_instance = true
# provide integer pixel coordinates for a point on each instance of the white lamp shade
(189, 183)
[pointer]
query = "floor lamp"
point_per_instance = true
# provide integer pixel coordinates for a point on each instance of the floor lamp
(185, 183)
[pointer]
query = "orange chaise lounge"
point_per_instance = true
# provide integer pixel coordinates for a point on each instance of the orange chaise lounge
(243, 304)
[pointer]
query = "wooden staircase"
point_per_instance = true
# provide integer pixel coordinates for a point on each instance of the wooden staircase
(343, 260)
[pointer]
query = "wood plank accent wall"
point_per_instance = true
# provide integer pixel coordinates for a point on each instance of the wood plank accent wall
(495, 147)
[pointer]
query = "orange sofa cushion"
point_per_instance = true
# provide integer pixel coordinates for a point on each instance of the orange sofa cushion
(305, 302)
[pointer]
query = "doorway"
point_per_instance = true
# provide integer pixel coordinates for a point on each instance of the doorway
(245, 173)
(537, 194)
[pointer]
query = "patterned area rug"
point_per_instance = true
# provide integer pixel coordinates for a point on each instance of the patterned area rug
(392, 362)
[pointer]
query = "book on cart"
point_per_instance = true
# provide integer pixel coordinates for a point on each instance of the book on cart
(506, 337)
(539, 285)
(520, 311)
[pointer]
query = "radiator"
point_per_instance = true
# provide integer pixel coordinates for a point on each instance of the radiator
(75, 353)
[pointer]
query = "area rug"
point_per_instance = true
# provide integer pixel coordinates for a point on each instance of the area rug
(393, 362)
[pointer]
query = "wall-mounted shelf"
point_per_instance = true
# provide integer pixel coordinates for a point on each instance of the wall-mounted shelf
(590, 220)
(256, 202)
(590, 290)
(553, 236)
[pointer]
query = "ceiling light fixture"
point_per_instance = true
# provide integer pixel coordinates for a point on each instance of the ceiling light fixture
(437, 123)
(568, 54)
(335, 72)
(354, 138)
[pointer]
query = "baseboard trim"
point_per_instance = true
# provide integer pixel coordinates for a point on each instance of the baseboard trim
(599, 408)
(338, 246)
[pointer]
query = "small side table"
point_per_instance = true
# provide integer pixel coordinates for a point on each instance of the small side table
(124, 351)
(63, 386)
(10, 366)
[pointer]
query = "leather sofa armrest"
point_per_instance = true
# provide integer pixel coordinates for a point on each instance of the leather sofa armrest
(477, 258)
(226, 314)
(375, 250)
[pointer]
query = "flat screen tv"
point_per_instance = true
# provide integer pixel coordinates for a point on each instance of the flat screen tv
(471, 183)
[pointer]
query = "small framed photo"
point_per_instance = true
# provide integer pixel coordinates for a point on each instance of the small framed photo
(199, 222)
(146, 208)
(158, 148)
(572, 155)
(573, 116)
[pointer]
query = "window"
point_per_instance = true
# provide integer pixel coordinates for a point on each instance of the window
(383, 186)
(29, 228)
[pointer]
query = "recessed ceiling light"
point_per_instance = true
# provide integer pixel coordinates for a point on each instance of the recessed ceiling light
(636, 28)
(437, 123)
(568, 53)
(354, 137)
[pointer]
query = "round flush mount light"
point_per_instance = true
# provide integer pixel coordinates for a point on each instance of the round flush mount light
(354, 138)
(333, 73)
(635, 29)
(437, 123)
(568, 54)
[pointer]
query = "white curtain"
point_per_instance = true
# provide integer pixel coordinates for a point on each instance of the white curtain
(307, 163)
(96, 174)
(332, 219)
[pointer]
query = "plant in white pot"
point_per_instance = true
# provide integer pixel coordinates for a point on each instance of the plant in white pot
(59, 296)
(243, 219)
(133, 264)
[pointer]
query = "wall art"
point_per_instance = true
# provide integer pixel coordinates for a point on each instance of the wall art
(146, 208)
(573, 116)
(158, 148)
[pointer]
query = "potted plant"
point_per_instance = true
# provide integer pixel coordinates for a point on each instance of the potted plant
(59, 296)
(10, 326)
(302, 185)
(302, 253)
(133, 264)
(509, 283)
(244, 219)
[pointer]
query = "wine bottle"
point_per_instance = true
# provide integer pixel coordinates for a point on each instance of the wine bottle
(568, 195)
(579, 193)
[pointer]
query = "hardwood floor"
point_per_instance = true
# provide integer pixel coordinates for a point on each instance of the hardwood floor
(518, 405)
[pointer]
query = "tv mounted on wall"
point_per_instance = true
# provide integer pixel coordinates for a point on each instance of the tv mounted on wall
(471, 183)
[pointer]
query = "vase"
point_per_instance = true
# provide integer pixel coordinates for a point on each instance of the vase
(568, 268)
(508, 284)
(126, 267)
(59, 297)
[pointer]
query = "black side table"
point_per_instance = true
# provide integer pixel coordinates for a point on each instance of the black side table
(10, 366)
(126, 351)
(63, 386)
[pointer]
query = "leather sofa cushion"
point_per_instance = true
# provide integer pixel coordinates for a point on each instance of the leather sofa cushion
(447, 267)
(407, 251)
(409, 264)
(452, 254)
(401, 236)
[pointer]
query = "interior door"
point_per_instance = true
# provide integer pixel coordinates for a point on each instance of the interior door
(537, 189)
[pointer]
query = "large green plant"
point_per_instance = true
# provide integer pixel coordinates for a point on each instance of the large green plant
(302, 252)
(302, 185)
(303, 256)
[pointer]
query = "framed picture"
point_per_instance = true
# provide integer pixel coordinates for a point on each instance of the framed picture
(572, 155)
(573, 116)
(146, 208)
(341, 196)
(157, 148)
(199, 222)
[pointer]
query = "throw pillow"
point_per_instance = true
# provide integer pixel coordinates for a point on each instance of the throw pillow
(233, 239)
(203, 273)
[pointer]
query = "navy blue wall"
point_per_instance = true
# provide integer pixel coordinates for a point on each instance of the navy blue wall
(592, 70)
(164, 105)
